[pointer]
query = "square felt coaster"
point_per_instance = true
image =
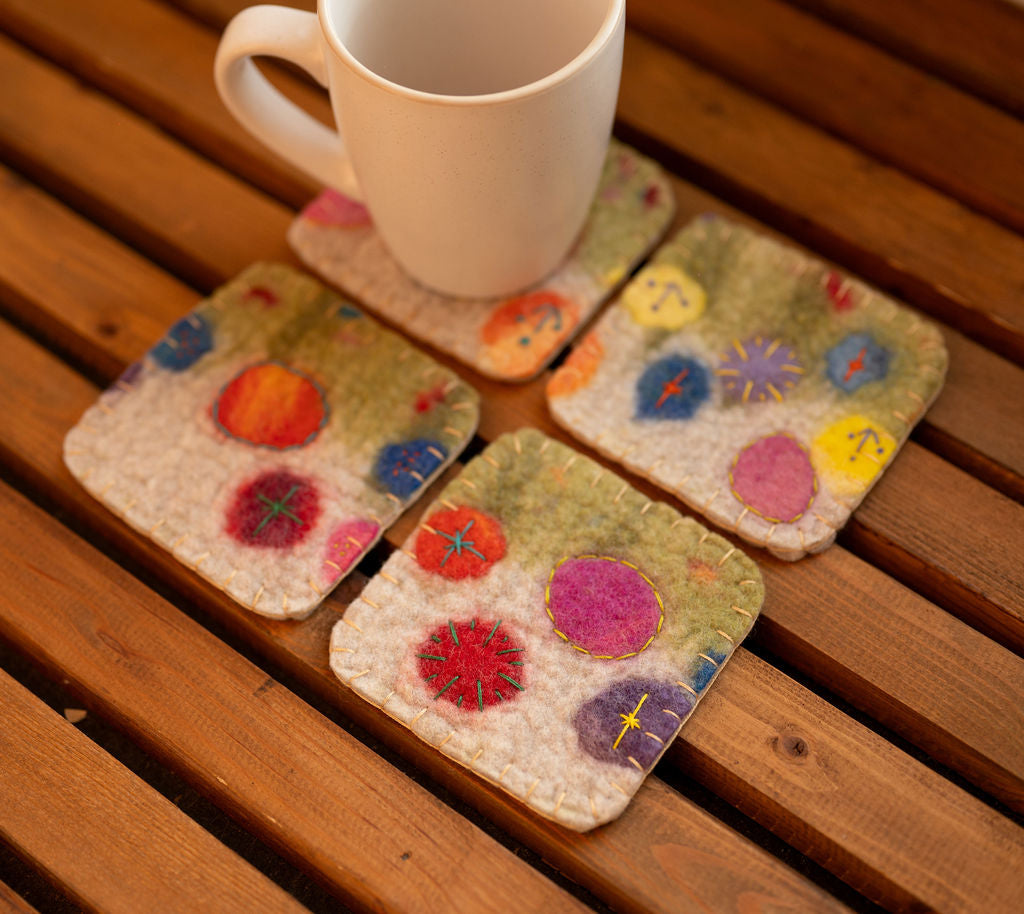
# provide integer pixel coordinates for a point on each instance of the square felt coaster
(761, 387)
(548, 627)
(515, 338)
(270, 438)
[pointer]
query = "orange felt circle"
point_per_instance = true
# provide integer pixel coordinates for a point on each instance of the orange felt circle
(460, 543)
(579, 367)
(271, 405)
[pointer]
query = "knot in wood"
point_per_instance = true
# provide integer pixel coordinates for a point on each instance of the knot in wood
(791, 746)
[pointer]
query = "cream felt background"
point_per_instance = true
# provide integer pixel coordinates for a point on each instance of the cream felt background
(754, 287)
(151, 451)
(633, 208)
(551, 503)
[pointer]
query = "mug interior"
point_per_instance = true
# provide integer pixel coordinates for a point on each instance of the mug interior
(466, 47)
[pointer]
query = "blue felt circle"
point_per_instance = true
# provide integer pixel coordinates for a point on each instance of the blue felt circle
(184, 344)
(855, 361)
(673, 387)
(399, 465)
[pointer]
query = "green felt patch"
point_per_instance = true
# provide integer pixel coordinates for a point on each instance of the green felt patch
(515, 338)
(759, 386)
(271, 437)
(549, 627)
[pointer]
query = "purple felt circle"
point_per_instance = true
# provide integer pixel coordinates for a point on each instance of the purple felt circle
(606, 732)
(774, 478)
(603, 606)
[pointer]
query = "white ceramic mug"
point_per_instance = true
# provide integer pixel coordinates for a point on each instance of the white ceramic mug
(474, 130)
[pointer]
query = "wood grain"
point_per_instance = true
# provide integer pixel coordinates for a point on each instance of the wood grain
(953, 576)
(61, 795)
(84, 148)
(111, 43)
(905, 236)
(367, 830)
(913, 667)
(891, 110)
(870, 805)
(924, 514)
(973, 43)
(41, 279)
(870, 862)
(787, 758)
(962, 425)
(895, 231)
(108, 53)
(323, 799)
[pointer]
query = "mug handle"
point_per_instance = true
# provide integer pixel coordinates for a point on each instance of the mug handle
(292, 35)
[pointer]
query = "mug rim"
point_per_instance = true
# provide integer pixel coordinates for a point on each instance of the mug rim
(603, 36)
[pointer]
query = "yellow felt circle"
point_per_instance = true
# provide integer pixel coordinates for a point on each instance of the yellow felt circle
(850, 453)
(664, 296)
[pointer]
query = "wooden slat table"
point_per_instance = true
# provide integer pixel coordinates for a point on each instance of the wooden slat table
(864, 748)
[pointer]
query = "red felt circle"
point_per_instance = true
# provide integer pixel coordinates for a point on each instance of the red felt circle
(474, 665)
(277, 509)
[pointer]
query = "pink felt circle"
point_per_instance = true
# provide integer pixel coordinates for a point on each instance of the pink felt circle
(603, 606)
(346, 544)
(774, 478)
(337, 210)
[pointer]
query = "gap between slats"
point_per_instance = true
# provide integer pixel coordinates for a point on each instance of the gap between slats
(25, 879)
(994, 453)
(975, 44)
(894, 112)
(265, 756)
(833, 748)
(114, 279)
(62, 795)
(254, 227)
(726, 868)
(897, 232)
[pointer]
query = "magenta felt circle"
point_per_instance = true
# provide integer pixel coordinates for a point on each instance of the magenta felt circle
(603, 606)
(774, 478)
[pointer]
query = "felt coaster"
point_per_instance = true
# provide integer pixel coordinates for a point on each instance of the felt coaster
(755, 383)
(548, 627)
(515, 338)
(270, 438)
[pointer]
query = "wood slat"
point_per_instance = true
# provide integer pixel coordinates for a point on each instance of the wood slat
(850, 832)
(898, 232)
(978, 420)
(959, 541)
(216, 12)
(12, 903)
(996, 451)
(914, 668)
(86, 281)
(216, 193)
(973, 43)
(314, 792)
(945, 706)
(324, 799)
(61, 795)
(854, 851)
(861, 801)
(922, 125)
(893, 230)
(114, 45)
(123, 171)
